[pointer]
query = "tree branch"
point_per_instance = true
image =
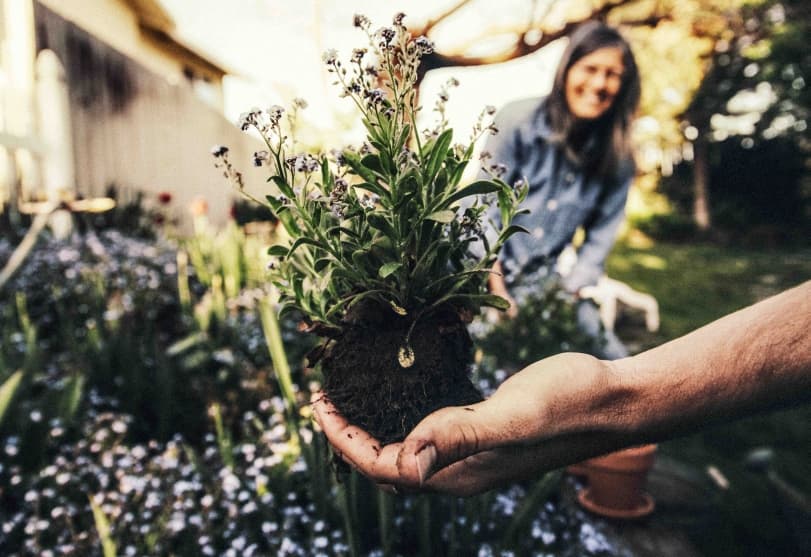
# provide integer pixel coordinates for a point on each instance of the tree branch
(520, 47)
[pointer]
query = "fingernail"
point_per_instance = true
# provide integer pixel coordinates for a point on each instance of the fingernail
(425, 459)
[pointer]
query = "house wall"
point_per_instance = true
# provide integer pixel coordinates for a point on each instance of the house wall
(134, 129)
(114, 22)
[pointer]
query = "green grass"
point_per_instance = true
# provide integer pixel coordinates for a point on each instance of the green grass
(695, 284)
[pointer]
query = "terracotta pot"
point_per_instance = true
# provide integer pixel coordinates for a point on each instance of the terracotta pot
(616, 483)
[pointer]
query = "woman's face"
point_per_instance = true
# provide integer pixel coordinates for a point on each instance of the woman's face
(593, 82)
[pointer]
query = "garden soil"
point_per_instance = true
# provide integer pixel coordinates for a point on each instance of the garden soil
(365, 381)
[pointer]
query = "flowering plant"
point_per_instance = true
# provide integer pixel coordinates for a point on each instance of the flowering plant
(383, 222)
(386, 254)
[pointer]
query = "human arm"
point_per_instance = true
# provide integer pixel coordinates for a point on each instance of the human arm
(570, 407)
(601, 232)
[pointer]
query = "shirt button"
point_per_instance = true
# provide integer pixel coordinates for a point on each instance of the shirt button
(552, 204)
(569, 177)
(538, 233)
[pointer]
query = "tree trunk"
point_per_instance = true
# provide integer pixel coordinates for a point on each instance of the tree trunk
(701, 190)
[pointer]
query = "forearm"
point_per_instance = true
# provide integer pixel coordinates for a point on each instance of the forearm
(752, 360)
(756, 359)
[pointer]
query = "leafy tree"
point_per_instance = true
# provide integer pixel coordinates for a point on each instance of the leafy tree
(754, 90)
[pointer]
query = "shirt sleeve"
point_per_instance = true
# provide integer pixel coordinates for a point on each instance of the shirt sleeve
(601, 231)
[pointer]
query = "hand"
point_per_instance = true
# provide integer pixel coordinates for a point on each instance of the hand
(497, 286)
(465, 450)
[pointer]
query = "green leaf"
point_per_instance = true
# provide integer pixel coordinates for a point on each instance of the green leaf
(403, 139)
(326, 177)
(438, 152)
(476, 188)
(321, 264)
(375, 188)
(283, 186)
(374, 134)
(373, 163)
(354, 162)
(7, 391)
(69, 402)
(308, 241)
(379, 222)
(489, 300)
(359, 258)
(442, 216)
(103, 528)
(389, 268)
(284, 216)
(510, 230)
(341, 229)
(278, 251)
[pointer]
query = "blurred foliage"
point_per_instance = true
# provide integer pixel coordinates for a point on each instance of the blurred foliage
(760, 195)
(174, 439)
(244, 211)
(546, 324)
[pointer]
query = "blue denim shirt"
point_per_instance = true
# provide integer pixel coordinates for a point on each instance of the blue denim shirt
(561, 198)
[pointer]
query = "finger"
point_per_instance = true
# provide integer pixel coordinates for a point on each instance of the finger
(486, 470)
(354, 445)
(445, 436)
(500, 466)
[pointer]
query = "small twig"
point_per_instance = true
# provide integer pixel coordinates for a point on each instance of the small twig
(27, 244)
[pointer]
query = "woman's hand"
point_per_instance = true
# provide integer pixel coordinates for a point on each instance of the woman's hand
(496, 285)
(464, 450)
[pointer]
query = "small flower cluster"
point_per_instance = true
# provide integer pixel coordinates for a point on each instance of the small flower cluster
(372, 222)
(222, 161)
(167, 498)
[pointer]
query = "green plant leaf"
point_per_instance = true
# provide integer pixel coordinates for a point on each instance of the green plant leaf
(510, 230)
(373, 163)
(342, 229)
(389, 268)
(442, 216)
(479, 187)
(379, 222)
(278, 251)
(438, 151)
(7, 392)
(103, 528)
(71, 398)
(489, 300)
(382, 192)
(283, 186)
(354, 162)
(308, 241)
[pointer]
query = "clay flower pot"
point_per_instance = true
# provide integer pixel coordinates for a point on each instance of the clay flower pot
(616, 483)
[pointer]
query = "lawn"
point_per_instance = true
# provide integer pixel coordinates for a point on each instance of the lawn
(695, 284)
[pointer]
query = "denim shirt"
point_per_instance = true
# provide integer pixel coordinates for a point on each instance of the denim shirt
(561, 198)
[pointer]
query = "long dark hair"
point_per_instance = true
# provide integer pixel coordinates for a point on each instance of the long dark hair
(609, 141)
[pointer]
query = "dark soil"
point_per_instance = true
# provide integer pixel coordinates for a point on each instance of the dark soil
(365, 381)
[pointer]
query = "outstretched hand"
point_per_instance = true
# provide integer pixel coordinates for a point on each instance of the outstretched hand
(465, 450)
(572, 406)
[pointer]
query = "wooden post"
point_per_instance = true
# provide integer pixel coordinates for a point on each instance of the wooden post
(19, 47)
(53, 111)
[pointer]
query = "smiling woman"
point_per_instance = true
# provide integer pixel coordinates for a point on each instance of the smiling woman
(573, 149)
(593, 83)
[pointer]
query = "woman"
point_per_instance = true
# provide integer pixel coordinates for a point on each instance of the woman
(573, 150)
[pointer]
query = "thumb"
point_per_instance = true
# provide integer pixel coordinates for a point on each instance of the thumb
(442, 438)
